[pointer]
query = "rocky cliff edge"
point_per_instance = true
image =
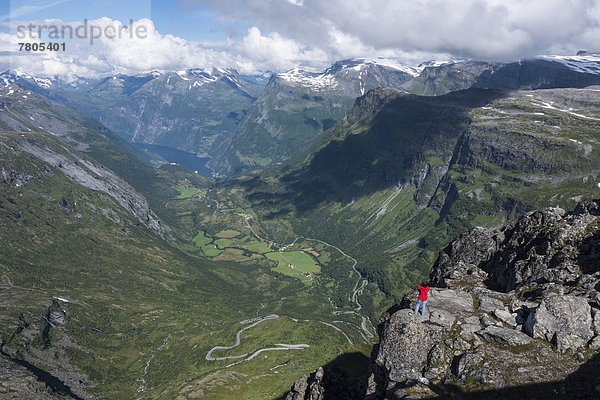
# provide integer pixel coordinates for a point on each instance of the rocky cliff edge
(513, 313)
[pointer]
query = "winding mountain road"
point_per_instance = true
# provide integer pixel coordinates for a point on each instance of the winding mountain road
(361, 283)
(237, 340)
(245, 356)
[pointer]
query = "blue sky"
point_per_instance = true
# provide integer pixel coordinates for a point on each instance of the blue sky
(195, 23)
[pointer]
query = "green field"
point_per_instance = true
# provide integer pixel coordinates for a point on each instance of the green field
(259, 247)
(211, 251)
(223, 243)
(188, 192)
(296, 264)
(201, 240)
(228, 234)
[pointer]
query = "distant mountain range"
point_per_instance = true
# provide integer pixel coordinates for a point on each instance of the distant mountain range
(188, 110)
(297, 106)
(245, 123)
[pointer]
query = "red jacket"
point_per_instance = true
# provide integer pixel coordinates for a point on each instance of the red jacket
(423, 292)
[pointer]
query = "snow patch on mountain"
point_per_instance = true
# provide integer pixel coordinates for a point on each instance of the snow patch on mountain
(439, 63)
(587, 64)
(309, 79)
(387, 63)
(9, 77)
(329, 78)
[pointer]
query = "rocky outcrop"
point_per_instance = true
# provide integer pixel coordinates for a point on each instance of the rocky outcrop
(513, 304)
(14, 178)
(404, 347)
(515, 310)
(326, 384)
(18, 383)
(564, 320)
(544, 247)
(33, 359)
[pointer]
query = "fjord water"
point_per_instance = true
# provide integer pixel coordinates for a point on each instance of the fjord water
(188, 160)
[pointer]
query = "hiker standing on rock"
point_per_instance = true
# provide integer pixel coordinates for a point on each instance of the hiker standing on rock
(422, 299)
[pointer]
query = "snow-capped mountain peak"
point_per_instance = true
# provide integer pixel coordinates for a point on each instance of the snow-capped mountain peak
(355, 69)
(11, 76)
(360, 63)
(439, 63)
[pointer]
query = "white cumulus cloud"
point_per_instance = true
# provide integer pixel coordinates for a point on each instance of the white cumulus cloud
(480, 29)
(107, 46)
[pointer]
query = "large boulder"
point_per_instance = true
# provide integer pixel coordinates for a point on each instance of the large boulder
(406, 341)
(566, 321)
(456, 301)
(504, 336)
(460, 260)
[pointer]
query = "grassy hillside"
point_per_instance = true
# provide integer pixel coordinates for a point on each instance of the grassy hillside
(404, 174)
(107, 308)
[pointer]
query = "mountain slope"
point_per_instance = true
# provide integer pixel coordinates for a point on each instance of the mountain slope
(74, 255)
(97, 305)
(297, 107)
(544, 72)
(189, 110)
(403, 174)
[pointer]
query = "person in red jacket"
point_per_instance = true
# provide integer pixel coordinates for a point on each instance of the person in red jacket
(422, 299)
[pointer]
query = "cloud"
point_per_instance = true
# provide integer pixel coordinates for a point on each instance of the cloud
(276, 52)
(313, 34)
(89, 55)
(480, 29)
(105, 46)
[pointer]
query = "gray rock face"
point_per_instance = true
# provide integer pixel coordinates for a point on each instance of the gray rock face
(462, 257)
(543, 246)
(466, 362)
(330, 384)
(14, 178)
(405, 345)
(505, 336)
(506, 317)
(540, 248)
(489, 304)
(564, 320)
(595, 344)
(469, 329)
(303, 389)
(17, 383)
(96, 177)
(596, 321)
(441, 317)
(450, 299)
(57, 318)
(488, 320)
(529, 286)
